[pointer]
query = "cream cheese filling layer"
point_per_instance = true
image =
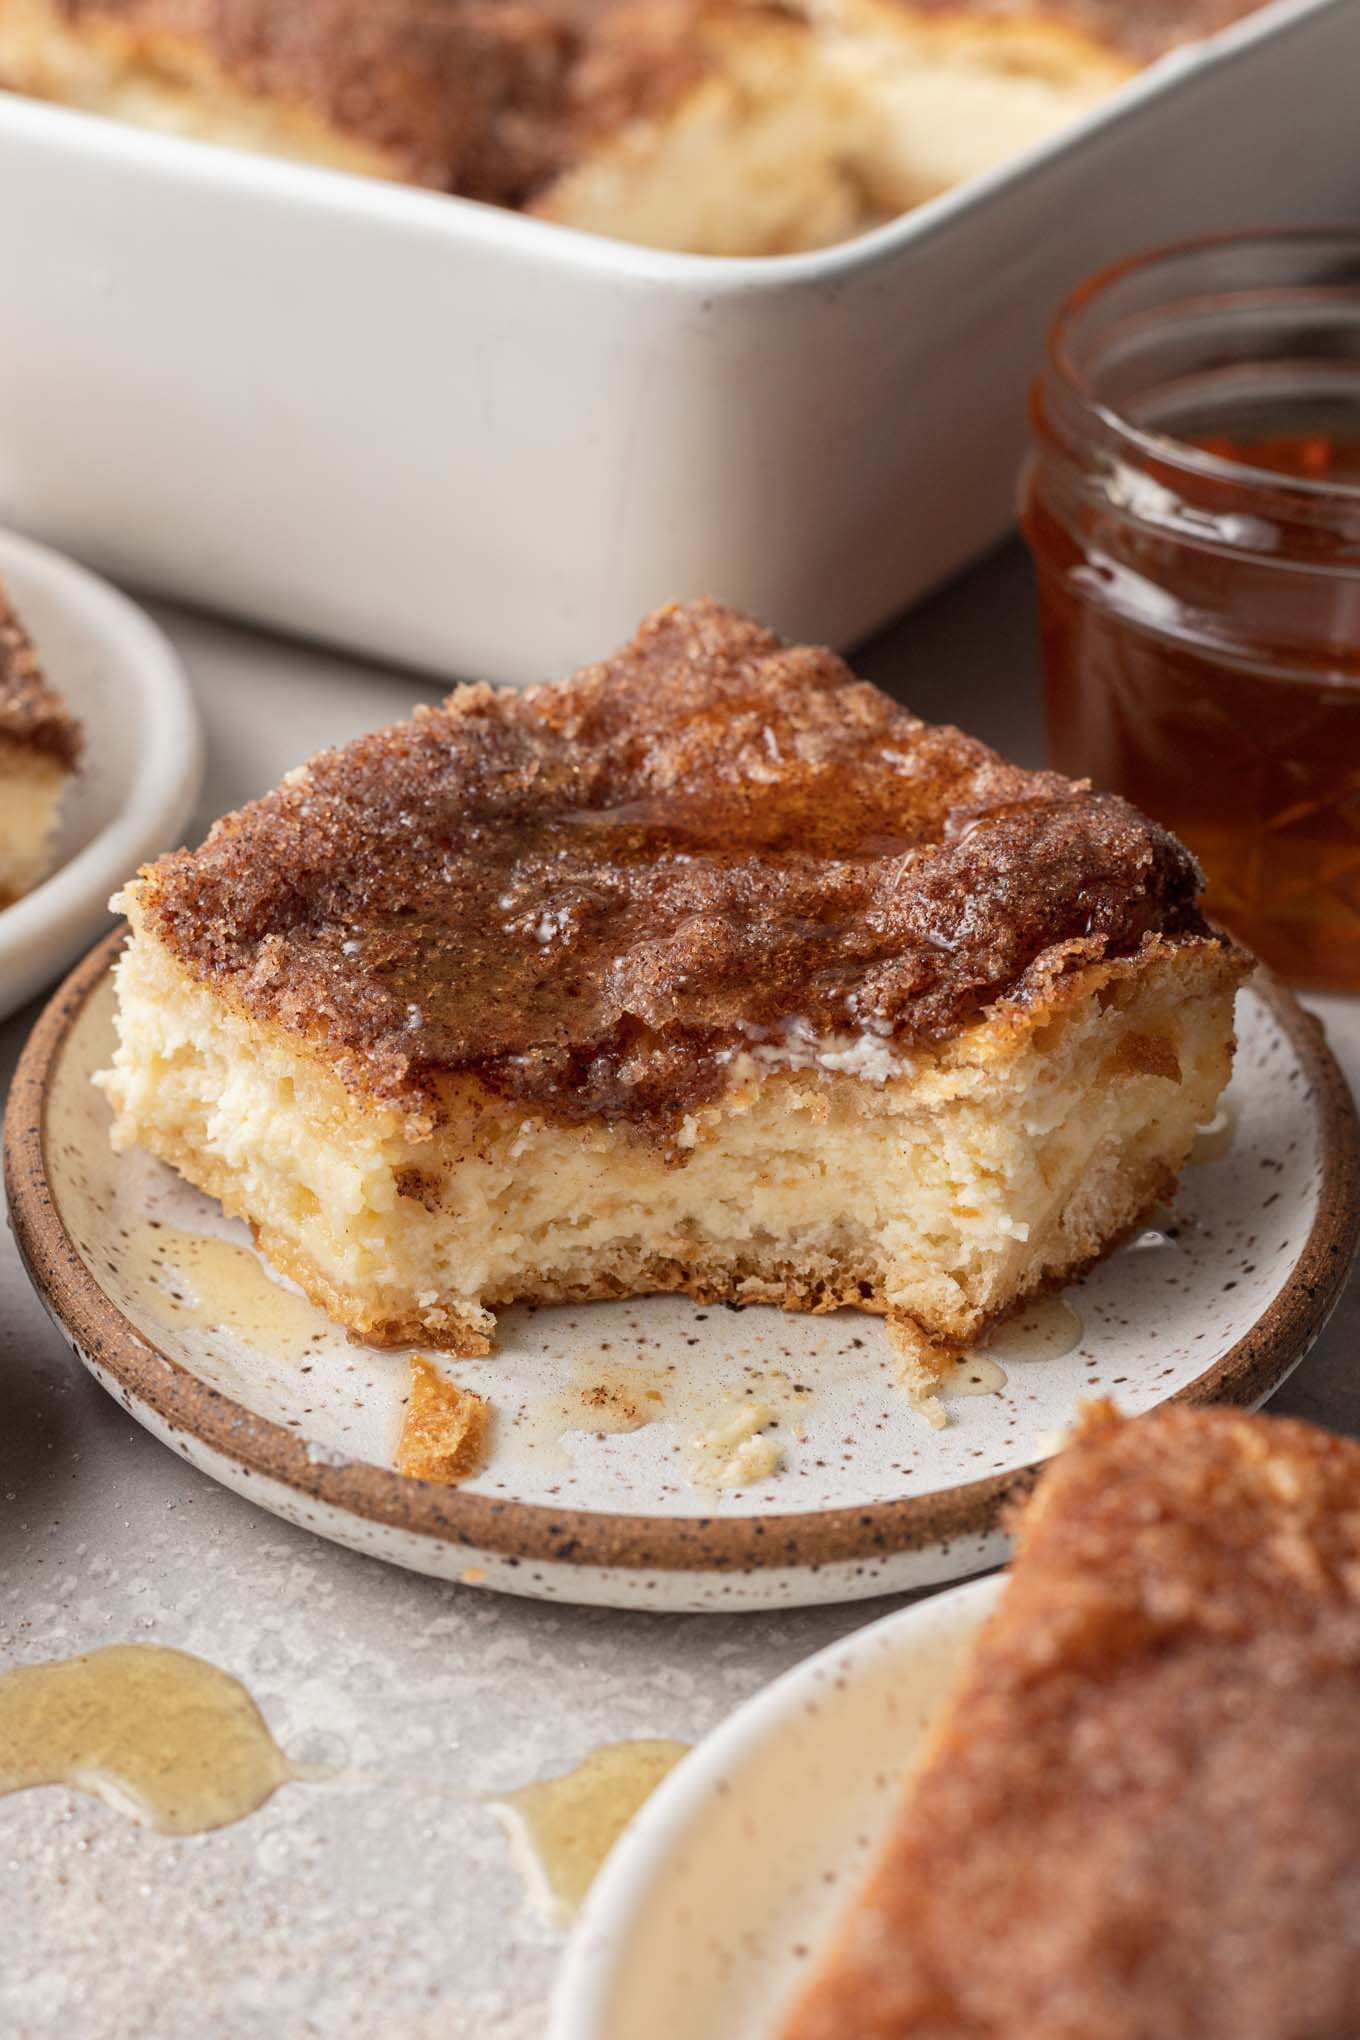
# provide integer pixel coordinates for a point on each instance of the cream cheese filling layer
(941, 1192)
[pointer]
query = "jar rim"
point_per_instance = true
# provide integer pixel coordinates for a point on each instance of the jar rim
(1309, 492)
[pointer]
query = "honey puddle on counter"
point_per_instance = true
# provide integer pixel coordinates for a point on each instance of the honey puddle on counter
(563, 1828)
(177, 1744)
(227, 1285)
(168, 1739)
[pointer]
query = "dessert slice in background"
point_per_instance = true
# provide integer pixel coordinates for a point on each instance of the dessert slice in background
(707, 125)
(725, 127)
(1140, 1816)
(39, 751)
(943, 90)
(710, 969)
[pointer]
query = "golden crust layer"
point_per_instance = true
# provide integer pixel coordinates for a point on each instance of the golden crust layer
(1141, 1817)
(33, 716)
(591, 895)
(1004, 1160)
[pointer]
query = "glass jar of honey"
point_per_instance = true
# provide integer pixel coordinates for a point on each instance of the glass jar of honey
(1192, 503)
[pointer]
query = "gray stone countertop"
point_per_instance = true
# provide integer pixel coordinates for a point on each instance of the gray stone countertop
(391, 1908)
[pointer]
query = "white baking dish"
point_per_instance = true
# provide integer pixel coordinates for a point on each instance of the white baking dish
(462, 438)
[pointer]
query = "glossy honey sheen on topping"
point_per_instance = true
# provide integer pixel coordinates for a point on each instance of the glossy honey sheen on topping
(590, 894)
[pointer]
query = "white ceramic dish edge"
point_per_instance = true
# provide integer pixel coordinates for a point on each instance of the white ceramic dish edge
(590, 1996)
(42, 933)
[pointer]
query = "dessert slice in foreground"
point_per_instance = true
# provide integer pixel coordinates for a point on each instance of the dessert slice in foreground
(1140, 1818)
(39, 748)
(711, 969)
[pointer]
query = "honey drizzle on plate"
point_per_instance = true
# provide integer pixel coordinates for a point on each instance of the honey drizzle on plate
(1042, 1330)
(604, 1397)
(202, 1280)
(974, 1374)
(608, 1397)
(198, 1279)
(1214, 1141)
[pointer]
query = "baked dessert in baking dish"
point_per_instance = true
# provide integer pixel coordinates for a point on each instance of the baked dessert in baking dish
(693, 124)
(1140, 1816)
(39, 750)
(718, 126)
(709, 969)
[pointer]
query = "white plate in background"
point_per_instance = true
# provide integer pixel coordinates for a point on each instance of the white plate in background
(718, 1897)
(141, 766)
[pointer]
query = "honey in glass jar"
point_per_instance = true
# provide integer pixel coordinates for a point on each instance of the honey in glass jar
(1192, 503)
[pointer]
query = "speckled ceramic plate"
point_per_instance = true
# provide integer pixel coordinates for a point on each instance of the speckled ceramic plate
(171, 1310)
(140, 771)
(720, 1893)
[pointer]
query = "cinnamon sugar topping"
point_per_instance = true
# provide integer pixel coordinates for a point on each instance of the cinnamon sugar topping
(491, 99)
(590, 894)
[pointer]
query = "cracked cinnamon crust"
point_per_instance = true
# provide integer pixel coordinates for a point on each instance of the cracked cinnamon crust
(717, 126)
(710, 969)
(1140, 1816)
(39, 751)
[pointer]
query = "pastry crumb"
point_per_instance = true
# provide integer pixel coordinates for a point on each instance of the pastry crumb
(446, 1431)
(737, 1452)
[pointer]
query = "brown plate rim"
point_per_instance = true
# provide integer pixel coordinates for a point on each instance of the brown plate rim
(529, 1531)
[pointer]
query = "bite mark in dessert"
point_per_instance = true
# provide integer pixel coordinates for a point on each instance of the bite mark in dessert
(710, 969)
(1140, 1814)
(39, 750)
